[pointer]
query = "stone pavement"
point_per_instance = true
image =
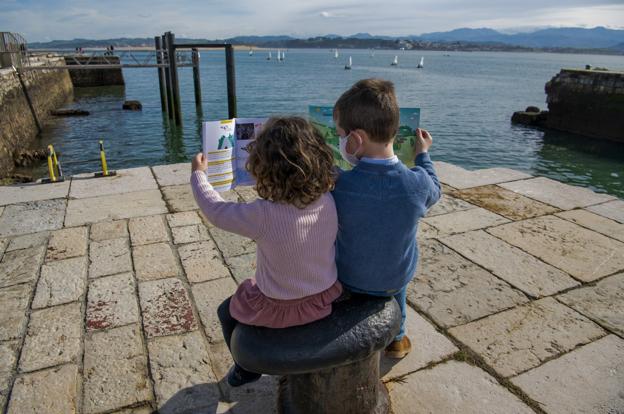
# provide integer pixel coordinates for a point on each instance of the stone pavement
(109, 289)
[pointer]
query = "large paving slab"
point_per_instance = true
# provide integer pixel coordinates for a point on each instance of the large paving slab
(185, 218)
(13, 318)
(27, 241)
(154, 261)
(183, 378)
(466, 220)
(522, 338)
(52, 391)
(560, 195)
(247, 193)
(166, 308)
(67, 243)
(173, 174)
(13, 194)
(516, 267)
(61, 281)
(109, 257)
(208, 296)
(242, 267)
(460, 178)
(146, 230)
(453, 388)
(107, 230)
(595, 222)
(114, 207)
(202, 262)
(115, 370)
(179, 198)
(505, 202)
(189, 234)
(112, 302)
(32, 217)
(586, 380)
(232, 244)
(126, 181)
(3, 245)
(453, 291)
(21, 266)
(8, 358)
(604, 302)
(448, 204)
(582, 253)
(613, 210)
(428, 346)
(53, 337)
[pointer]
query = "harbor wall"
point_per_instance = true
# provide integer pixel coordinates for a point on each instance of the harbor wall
(47, 89)
(587, 102)
(94, 77)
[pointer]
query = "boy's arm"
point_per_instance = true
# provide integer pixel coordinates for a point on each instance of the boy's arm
(248, 220)
(424, 161)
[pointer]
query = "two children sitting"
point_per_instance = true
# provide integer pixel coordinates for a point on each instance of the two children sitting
(319, 230)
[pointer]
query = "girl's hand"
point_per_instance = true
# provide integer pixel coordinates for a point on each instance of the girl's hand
(422, 142)
(199, 163)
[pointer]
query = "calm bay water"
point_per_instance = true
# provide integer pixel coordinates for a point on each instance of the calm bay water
(466, 102)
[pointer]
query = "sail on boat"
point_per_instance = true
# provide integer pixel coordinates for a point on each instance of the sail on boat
(250, 52)
(269, 57)
(348, 65)
(421, 64)
(372, 54)
(279, 55)
(395, 62)
(335, 53)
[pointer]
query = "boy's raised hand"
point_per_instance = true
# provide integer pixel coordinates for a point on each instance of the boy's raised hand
(199, 163)
(422, 141)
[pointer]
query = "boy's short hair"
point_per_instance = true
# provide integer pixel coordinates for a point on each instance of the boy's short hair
(370, 105)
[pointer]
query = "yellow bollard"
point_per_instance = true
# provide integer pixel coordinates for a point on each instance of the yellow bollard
(57, 164)
(104, 172)
(51, 163)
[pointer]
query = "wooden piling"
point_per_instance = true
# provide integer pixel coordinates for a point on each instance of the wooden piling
(196, 81)
(231, 81)
(173, 74)
(161, 73)
(167, 72)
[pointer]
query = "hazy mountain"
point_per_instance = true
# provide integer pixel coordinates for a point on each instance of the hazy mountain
(464, 35)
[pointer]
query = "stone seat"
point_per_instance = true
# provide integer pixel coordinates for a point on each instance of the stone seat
(331, 365)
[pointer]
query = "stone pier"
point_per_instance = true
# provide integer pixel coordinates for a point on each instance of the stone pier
(109, 289)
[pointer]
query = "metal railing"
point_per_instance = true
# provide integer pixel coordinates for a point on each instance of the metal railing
(13, 50)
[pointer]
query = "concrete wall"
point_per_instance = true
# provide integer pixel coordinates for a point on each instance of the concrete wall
(48, 89)
(587, 102)
(95, 77)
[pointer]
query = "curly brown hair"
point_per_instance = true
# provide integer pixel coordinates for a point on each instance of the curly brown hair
(291, 162)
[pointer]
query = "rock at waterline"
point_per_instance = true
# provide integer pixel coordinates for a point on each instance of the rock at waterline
(69, 112)
(132, 106)
(532, 109)
(27, 157)
(531, 118)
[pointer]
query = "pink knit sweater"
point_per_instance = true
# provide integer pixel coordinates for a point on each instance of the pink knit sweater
(296, 254)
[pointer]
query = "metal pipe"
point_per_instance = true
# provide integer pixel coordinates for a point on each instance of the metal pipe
(231, 81)
(161, 74)
(196, 80)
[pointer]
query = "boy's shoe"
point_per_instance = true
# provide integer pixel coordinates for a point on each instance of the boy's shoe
(237, 376)
(398, 349)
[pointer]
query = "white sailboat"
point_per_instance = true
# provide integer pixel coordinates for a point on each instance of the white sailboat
(269, 57)
(279, 55)
(250, 52)
(395, 62)
(348, 65)
(372, 54)
(283, 55)
(335, 53)
(421, 64)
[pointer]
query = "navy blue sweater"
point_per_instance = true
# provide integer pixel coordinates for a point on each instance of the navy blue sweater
(378, 211)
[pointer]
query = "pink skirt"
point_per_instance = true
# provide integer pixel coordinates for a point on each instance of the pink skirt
(250, 306)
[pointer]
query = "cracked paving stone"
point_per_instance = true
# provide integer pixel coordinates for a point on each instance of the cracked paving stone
(61, 281)
(186, 218)
(466, 220)
(13, 318)
(21, 266)
(109, 257)
(242, 267)
(27, 241)
(67, 243)
(613, 210)
(189, 234)
(112, 302)
(31, 217)
(595, 222)
(208, 296)
(232, 244)
(8, 358)
(202, 262)
(107, 230)
(147, 230)
(448, 204)
(166, 308)
(179, 198)
(154, 261)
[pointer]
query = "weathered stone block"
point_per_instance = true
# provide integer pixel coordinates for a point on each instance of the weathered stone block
(461, 221)
(67, 243)
(516, 267)
(586, 380)
(232, 244)
(13, 319)
(208, 296)
(448, 204)
(460, 178)
(27, 241)
(453, 388)
(172, 174)
(182, 375)
(166, 308)
(21, 266)
(154, 261)
(613, 210)
(32, 217)
(54, 336)
(61, 281)
(522, 338)
(453, 290)
(115, 370)
(13, 194)
(114, 207)
(8, 357)
(112, 302)
(108, 230)
(109, 257)
(179, 198)
(247, 193)
(189, 234)
(186, 218)
(595, 222)
(604, 302)
(582, 253)
(126, 181)
(52, 391)
(242, 267)
(202, 262)
(146, 230)
(563, 196)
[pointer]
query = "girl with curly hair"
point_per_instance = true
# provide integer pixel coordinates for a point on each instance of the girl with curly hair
(294, 224)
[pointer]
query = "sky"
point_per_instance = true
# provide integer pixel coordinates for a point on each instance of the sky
(43, 20)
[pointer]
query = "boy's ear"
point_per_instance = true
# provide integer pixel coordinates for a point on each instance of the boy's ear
(361, 135)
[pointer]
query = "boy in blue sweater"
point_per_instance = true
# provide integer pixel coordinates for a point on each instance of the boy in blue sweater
(380, 200)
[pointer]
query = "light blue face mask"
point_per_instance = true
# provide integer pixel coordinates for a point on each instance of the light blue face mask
(350, 158)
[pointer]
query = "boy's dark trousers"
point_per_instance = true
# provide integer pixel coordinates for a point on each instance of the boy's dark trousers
(228, 323)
